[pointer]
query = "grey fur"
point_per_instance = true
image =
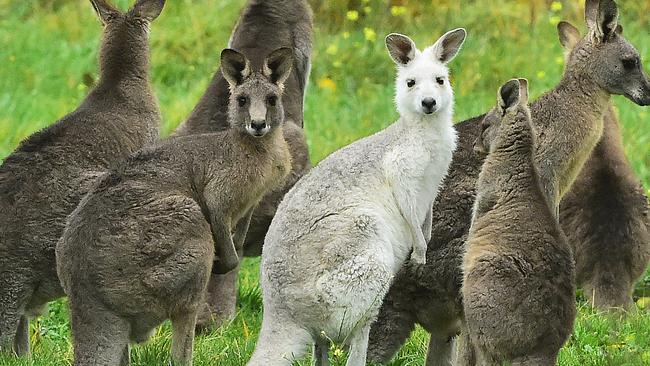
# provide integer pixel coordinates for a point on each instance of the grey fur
(44, 179)
(596, 223)
(519, 279)
(430, 295)
(605, 217)
(140, 247)
(264, 25)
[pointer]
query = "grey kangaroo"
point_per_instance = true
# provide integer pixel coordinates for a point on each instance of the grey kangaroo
(603, 63)
(44, 179)
(519, 279)
(263, 26)
(609, 232)
(140, 246)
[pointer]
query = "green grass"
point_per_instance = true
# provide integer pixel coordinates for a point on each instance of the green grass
(48, 48)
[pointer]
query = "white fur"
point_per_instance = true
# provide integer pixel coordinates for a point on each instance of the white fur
(346, 228)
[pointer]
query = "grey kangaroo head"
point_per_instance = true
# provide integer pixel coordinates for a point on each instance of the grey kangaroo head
(510, 113)
(604, 55)
(126, 35)
(256, 95)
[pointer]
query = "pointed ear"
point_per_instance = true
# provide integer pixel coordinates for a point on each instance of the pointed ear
(447, 47)
(148, 9)
(401, 48)
(278, 64)
(104, 10)
(508, 95)
(234, 66)
(569, 35)
(523, 91)
(602, 18)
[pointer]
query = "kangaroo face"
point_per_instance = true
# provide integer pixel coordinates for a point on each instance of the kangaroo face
(604, 55)
(510, 114)
(423, 86)
(255, 105)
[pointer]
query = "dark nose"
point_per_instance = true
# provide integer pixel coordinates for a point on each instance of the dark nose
(428, 104)
(258, 125)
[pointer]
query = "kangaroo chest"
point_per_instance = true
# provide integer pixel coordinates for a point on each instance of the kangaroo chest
(416, 166)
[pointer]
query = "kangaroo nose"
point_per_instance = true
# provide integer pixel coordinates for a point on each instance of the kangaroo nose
(428, 104)
(258, 125)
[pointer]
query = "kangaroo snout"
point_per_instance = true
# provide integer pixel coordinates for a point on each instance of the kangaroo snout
(258, 128)
(428, 105)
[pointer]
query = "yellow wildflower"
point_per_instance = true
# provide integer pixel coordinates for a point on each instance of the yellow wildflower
(397, 10)
(332, 49)
(370, 34)
(541, 75)
(327, 83)
(352, 15)
(554, 20)
(556, 6)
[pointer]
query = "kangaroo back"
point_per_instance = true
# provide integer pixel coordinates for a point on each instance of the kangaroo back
(265, 25)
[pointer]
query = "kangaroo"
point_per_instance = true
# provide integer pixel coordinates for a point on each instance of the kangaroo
(263, 26)
(140, 246)
(44, 179)
(519, 279)
(346, 227)
(430, 295)
(608, 261)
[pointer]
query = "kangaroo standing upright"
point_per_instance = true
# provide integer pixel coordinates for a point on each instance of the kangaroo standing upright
(569, 119)
(140, 247)
(344, 229)
(263, 26)
(519, 279)
(44, 179)
(609, 232)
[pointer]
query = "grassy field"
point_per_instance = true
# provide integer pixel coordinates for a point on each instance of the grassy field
(48, 56)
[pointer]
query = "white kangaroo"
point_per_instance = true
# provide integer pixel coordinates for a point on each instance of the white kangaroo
(345, 229)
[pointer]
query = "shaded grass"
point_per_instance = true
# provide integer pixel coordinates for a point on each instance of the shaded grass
(48, 57)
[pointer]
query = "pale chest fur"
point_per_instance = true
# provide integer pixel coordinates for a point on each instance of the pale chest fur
(416, 164)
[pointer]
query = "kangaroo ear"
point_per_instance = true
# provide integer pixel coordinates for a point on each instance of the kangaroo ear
(148, 9)
(234, 66)
(447, 47)
(602, 18)
(104, 10)
(569, 35)
(523, 91)
(401, 48)
(509, 94)
(277, 66)
(619, 30)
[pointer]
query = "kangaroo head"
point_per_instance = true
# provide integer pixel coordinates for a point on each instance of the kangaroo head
(423, 86)
(255, 105)
(604, 55)
(126, 35)
(510, 118)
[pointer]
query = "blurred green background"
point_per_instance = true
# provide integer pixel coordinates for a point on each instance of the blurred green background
(48, 61)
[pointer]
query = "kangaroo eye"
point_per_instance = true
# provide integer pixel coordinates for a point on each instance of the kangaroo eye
(440, 81)
(410, 83)
(242, 101)
(630, 63)
(272, 100)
